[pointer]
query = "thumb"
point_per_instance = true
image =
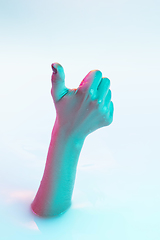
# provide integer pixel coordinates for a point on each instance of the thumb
(58, 85)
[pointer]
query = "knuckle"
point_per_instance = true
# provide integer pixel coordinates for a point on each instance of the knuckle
(104, 110)
(100, 106)
(91, 92)
(92, 95)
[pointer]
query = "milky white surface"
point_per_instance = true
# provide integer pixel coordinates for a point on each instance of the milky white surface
(117, 189)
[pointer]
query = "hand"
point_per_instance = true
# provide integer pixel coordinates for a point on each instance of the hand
(83, 110)
(79, 112)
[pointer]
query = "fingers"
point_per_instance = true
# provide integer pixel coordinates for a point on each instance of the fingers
(90, 82)
(108, 105)
(103, 89)
(111, 109)
(108, 99)
(58, 84)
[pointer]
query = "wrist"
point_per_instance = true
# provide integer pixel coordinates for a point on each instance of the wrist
(68, 133)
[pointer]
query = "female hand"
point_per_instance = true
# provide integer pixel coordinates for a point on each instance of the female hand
(83, 110)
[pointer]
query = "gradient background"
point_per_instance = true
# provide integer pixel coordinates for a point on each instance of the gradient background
(117, 190)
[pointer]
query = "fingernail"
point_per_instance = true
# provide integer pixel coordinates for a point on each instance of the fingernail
(54, 69)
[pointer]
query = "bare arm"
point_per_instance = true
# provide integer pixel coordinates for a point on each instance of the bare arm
(79, 112)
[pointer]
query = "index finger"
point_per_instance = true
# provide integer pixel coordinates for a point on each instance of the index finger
(90, 82)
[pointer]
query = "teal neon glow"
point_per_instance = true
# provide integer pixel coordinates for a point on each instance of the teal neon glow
(79, 112)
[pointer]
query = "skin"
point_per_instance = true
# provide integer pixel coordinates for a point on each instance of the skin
(78, 113)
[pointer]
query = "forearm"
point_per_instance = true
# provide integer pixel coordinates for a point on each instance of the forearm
(55, 191)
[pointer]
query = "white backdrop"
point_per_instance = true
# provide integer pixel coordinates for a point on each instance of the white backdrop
(116, 194)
